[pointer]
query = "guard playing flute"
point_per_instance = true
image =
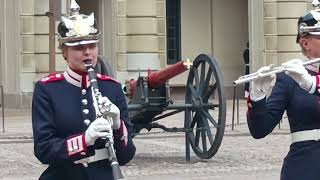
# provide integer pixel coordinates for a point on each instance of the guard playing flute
(271, 96)
(68, 135)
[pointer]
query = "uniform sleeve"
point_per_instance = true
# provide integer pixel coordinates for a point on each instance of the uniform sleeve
(125, 149)
(264, 115)
(49, 148)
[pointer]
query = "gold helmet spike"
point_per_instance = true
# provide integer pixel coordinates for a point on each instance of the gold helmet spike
(77, 29)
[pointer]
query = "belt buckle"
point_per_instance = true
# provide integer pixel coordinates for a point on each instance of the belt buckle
(84, 162)
(317, 134)
(100, 154)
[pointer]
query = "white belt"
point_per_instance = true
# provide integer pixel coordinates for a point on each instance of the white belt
(307, 135)
(100, 154)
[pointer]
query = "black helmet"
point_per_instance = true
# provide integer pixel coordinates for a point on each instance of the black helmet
(77, 28)
(309, 24)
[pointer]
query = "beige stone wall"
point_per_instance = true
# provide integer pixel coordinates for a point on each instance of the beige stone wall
(35, 43)
(230, 34)
(138, 38)
(141, 40)
(218, 28)
(280, 30)
(196, 34)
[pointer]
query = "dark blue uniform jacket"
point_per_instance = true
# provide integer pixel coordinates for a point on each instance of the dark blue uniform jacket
(57, 116)
(303, 110)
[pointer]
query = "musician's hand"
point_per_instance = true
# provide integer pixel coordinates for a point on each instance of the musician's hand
(113, 113)
(98, 128)
(262, 86)
(296, 70)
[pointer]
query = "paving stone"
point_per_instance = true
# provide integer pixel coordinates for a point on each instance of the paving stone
(162, 155)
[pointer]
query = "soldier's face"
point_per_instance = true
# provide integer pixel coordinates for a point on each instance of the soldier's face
(311, 46)
(315, 46)
(76, 55)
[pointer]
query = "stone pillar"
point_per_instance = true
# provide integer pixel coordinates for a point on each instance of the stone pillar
(140, 37)
(280, 30)
(256, 33)
(10, 52)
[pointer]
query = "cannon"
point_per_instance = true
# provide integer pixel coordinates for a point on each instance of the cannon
(204, 107)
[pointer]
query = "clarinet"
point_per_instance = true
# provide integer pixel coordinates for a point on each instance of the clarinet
(101, 111)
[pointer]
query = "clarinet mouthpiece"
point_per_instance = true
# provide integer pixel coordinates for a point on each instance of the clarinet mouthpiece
(88, 61)
(88, 64)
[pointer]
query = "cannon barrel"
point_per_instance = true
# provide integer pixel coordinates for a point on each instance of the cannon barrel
(158, 78)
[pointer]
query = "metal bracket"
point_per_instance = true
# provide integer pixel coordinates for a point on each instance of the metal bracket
(2, 106)
(235, 96)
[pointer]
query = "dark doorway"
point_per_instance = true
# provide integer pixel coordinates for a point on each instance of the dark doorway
(87, 7)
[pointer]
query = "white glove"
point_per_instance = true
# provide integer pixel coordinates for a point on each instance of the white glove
(98, 128)
(297, 71)
(113, 113)
(262, 86)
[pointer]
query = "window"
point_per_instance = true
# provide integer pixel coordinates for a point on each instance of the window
(173, 31)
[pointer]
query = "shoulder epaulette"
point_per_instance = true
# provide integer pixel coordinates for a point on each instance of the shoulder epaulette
(52, 78)
(106, 78)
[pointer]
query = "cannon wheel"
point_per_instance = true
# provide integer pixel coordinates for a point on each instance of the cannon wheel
(205, 121)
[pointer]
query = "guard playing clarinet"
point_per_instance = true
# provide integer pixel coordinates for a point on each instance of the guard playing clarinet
(292, 92)
(81, 132)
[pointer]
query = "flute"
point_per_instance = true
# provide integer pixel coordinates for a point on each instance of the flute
(256, 75)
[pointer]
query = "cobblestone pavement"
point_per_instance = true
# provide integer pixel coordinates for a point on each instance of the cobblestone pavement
(162, 156)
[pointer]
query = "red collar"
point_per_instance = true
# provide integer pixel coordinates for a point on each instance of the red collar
(78, 79)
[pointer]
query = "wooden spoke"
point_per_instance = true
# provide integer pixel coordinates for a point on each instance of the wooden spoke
(210, 118)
